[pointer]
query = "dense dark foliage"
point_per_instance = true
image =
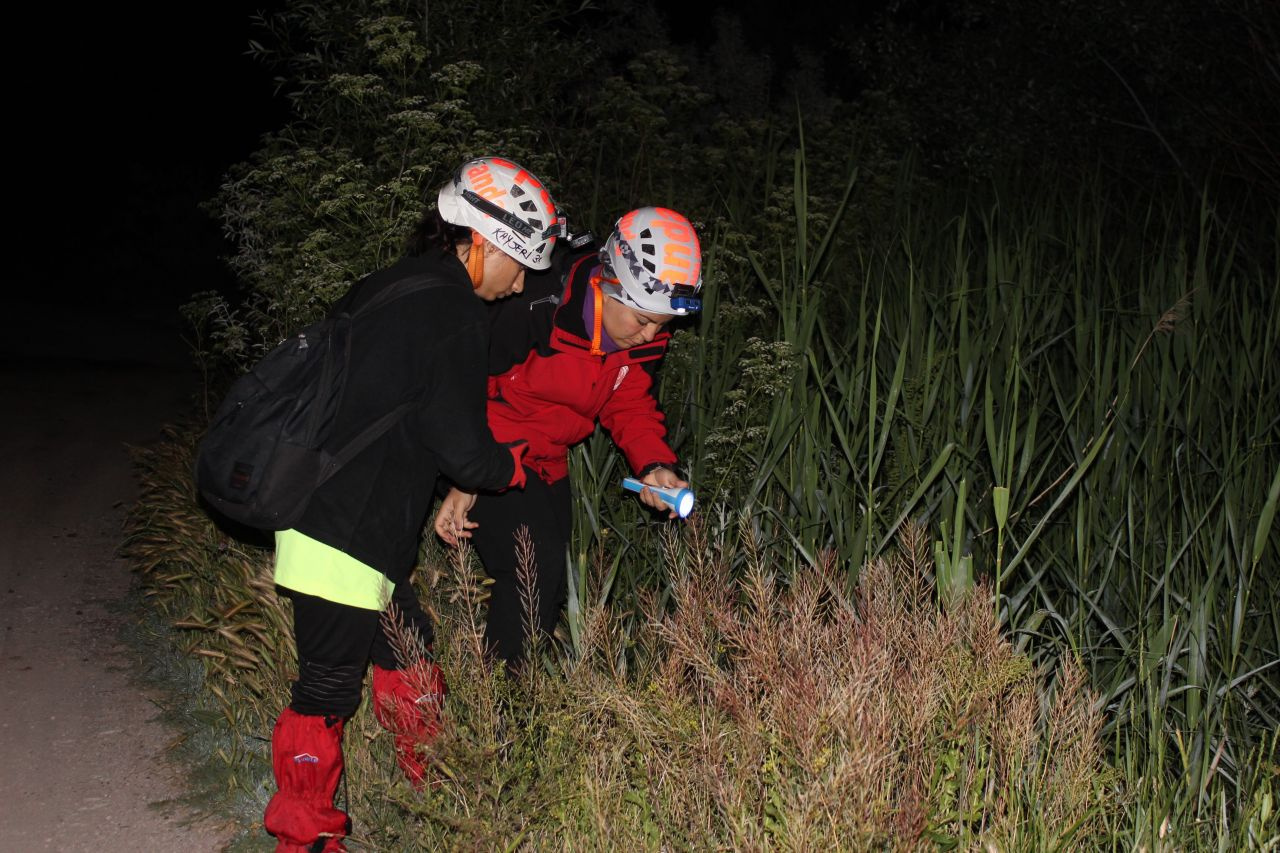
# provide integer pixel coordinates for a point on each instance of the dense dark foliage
(690, 106)
(1185, 89)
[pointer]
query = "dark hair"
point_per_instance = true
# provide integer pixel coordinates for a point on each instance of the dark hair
(433, 234)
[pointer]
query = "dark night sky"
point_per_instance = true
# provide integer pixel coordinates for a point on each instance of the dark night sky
(131, 115)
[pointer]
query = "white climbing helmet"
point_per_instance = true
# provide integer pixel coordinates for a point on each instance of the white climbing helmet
(654, 256)
(507, 206)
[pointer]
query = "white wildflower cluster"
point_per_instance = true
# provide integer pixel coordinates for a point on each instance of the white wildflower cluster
(765, 372)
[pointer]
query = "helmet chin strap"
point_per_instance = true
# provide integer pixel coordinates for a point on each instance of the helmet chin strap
(475, 261)
(597, 322)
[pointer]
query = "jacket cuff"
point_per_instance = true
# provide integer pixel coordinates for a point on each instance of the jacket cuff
(653, 466)
(517, 449)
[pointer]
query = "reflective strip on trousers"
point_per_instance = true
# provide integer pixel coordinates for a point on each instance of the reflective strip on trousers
(306, 565)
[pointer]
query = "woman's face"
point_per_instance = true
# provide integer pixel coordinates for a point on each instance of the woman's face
(503, 274)
(628, 327)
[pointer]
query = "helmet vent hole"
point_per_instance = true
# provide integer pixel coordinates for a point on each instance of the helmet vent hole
(528, 205)
(649, 248)
(536, 223)
(516, 191)
(651, 267)
(647, 234)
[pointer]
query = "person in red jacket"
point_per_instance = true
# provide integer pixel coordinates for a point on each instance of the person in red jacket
(577, 348)
(352, 552)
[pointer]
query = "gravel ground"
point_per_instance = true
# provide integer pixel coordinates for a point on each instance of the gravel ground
(82, 751)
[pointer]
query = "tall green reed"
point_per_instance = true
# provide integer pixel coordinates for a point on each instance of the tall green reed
(1074, 389)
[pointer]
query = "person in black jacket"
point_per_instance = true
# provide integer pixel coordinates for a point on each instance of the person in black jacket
(351, 554)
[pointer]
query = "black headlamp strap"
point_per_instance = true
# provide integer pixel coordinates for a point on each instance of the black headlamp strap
(507, 218)
(559, 227)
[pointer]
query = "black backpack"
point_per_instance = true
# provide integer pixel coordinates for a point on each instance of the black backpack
(263, 457)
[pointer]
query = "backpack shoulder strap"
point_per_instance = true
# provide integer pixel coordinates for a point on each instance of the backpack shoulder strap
(367, 436)
(373, 431)
(397, 289)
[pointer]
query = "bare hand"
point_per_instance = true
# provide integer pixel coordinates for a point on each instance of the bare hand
(665, 478)
(451, 523)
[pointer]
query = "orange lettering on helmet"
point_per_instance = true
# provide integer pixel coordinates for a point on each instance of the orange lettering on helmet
(677, 269)
(627, 227)
(482, 182)
(670, 256)
(674, 227)
(523, 177)
(681, 256)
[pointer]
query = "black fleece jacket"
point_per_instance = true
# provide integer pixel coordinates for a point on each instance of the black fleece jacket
(427, 348)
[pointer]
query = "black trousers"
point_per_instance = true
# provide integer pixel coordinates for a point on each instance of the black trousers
(543, 509)
(336, 643)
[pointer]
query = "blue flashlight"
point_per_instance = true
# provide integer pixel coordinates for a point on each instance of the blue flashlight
(680, 500)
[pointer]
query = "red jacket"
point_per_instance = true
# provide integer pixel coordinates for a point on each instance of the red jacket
(553, 396)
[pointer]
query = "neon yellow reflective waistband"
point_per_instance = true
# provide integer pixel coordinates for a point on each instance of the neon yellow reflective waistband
(308, 566)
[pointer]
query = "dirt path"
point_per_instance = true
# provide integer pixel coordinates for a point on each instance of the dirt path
(81, 749)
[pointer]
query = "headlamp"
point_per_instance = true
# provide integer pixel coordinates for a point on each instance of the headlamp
(685, 299)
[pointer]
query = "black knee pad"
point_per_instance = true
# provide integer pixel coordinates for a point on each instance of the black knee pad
(327, 690)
